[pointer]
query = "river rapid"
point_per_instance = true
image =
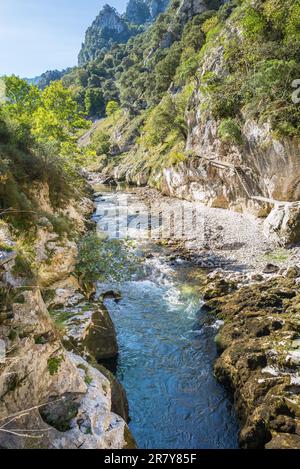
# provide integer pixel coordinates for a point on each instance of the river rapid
(166, 343)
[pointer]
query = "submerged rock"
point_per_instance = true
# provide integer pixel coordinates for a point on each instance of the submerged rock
(270, 269)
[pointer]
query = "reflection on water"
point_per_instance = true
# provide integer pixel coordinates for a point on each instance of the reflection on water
(166, 357)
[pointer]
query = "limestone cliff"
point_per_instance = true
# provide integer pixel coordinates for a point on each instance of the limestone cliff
(108, 27)
(53, 394)
(237, 142)
(140, 11)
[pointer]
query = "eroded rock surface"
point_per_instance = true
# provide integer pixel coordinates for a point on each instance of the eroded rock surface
(259, 345)
(49, 393)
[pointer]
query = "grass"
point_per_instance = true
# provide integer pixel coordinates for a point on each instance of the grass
(278, 255)
(5, 247)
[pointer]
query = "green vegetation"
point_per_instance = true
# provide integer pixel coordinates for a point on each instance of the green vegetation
(255, 48)
(87, 378)
(5, 247)
(229, 131)
(278, 255)
(259, 68)
(104, 260)
(111, 108)
(38, 132)
(54, 364)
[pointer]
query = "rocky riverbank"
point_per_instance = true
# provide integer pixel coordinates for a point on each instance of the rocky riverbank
(253, 290)
(259, 345)
(54, 393)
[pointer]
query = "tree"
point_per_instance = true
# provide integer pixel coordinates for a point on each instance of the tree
(22, 97)
(57, 117)
(22, 101)
(94, 101)
(112, 107)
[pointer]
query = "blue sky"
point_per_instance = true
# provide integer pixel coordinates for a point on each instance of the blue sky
(40, 35)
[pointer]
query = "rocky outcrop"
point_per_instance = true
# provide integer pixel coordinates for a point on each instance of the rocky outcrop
(107, 25)
(283, 224)
(259, 359)
(190, 8)
(157, 6)
(54, 398)
(89, 330)
(142, 11)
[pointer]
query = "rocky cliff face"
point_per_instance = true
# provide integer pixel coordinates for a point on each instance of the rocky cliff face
(190, 8)
(257, 170)
(157, 6)
(255, 175)
(50, 394)
(111, 27)
(108, 27)
(140, 12)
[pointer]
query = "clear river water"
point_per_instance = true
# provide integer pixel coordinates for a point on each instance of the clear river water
(167, 347)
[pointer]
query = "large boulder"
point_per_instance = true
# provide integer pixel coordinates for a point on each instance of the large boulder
(283, 224)
(89, 330)
(48, 393)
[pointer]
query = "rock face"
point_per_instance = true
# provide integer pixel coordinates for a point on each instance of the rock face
(111, 27)
(190, 8)
(89, 330)
(139, 11)
(108, 26)
(157, 6)
(260, 357)
(283, 224)
(69, 402)
(229, 175)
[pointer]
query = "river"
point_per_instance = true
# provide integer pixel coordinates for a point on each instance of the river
(167, 347)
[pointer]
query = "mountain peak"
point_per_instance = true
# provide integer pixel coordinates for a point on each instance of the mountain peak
(109, 26)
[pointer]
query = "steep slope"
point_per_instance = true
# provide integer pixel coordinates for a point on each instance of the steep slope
(47, 77)
(202, 85)
(140, 11)
(50, 397)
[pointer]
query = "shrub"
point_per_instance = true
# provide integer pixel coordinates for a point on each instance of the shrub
(101, 143)
(292, 29)
(112, 107)
(103, 260)
(54, 364)
(62, 225)
(253, 23)
(229, 131)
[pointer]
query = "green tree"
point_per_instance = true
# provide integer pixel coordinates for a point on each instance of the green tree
(112, 108)
(94, 101)
(58, 117)
(22, 97)
(104, 260)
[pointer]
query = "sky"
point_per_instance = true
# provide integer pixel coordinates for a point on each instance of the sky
(41, 35)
